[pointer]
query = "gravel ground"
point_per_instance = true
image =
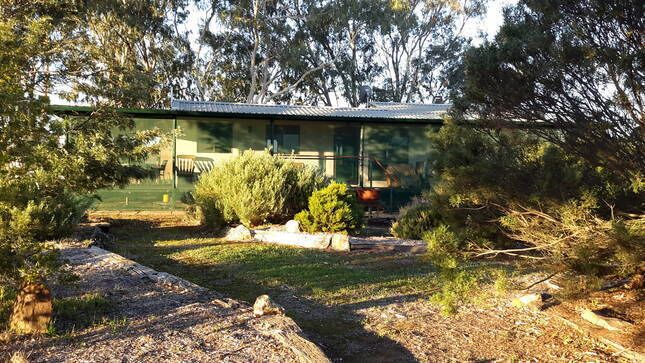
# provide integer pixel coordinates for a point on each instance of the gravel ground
(155, 318)
(486, 334)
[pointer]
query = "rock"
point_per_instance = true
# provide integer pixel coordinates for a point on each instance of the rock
(32, 311)
(306, 240)
(537, 301)
(605, 322)
(340, 242)
(292, 226)
(264, 306)
(239, 233)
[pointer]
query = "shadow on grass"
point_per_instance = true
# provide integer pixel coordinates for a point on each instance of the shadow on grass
(79, 312)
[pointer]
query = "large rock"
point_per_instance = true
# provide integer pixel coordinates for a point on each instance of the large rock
(239, 233)
(32, 311)
(264, 306)
(306, 240)
(609, 323)
(292, 226)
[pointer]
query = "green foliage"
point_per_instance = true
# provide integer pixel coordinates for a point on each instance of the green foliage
(58, 215)
(415, 219)
(443, 246)
(572, 71)
(48, 165)
(498, 190)
(255, 188)
(574, 239)
(332, 209)
(23, 257)
(7, 298)
(314, 49)
(457, 289)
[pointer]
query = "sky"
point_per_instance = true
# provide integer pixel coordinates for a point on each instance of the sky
(490, 22)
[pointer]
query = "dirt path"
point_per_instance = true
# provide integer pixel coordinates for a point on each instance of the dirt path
(156, 317)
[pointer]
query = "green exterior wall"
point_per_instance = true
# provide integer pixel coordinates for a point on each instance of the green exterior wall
(393, 156)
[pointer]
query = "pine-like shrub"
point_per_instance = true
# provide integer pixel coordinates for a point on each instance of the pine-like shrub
(415, 219)
(332, 209)
(444, 247)
(255, 188)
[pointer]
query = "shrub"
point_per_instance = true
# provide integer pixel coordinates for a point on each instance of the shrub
(58, 215)
(458, 287)
(444, 246)
(7, 298)
(415, 219)
(332, 209)
(497, 190)
(255, 188)
(23, 257)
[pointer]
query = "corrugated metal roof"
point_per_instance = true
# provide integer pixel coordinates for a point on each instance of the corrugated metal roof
(377, 110)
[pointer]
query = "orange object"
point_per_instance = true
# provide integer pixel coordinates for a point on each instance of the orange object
(367, 194)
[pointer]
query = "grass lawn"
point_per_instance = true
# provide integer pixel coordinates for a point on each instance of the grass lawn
(145, 196)
(321, 290)
(246, 270)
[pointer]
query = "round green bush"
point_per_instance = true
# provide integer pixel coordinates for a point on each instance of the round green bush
(414, 220)
(255, 188)
(332, 209)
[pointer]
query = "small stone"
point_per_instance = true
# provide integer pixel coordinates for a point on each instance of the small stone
(292, 226)
(264, 306)
(340, 242)
(538, 301)
(605, 322)
(32, 311)
(239, 233)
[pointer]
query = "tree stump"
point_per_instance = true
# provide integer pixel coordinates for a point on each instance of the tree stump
(32, 310)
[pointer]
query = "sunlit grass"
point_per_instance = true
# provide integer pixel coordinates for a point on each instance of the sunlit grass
(244, 270)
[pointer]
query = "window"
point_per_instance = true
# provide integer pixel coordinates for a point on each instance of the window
(214, 137)
(387, 146)
(286, 138)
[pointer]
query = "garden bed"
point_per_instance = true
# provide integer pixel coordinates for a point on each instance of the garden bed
(357, 306)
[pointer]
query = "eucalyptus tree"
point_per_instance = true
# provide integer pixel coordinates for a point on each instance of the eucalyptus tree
(342, 33)
(130, 52)
(322, 51)
(256, 50)
(419, 44)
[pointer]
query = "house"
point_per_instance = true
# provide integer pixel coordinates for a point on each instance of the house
(381, 146)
